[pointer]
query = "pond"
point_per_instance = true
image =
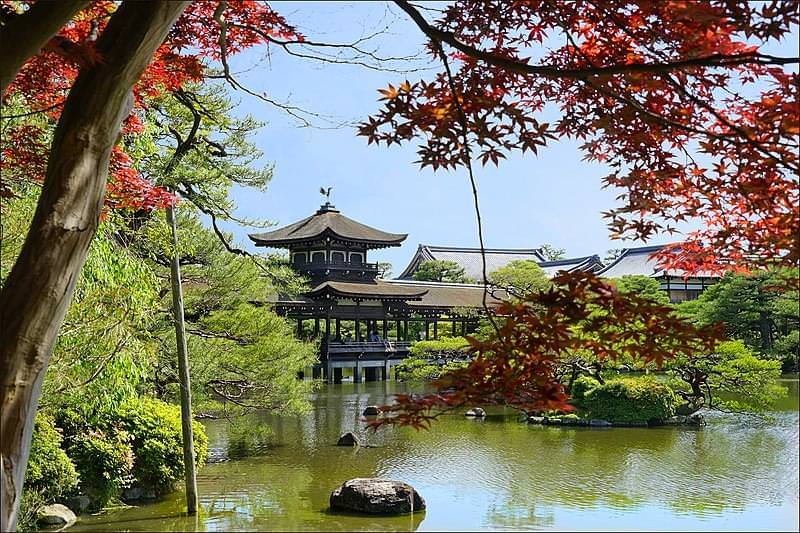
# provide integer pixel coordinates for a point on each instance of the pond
(737, 473)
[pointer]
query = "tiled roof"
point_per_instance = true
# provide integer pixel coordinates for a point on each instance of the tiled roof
(327, 221)
(378, 289)
(470, 258)
(450, 295)
(639, 262)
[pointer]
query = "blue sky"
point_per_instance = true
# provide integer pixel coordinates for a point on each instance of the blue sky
(551, 198)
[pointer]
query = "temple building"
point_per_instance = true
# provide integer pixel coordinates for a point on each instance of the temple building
(470, 260)
(639, 262)
(367, 323)
(363, 321)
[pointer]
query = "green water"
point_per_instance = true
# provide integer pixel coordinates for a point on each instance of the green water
(498, 474)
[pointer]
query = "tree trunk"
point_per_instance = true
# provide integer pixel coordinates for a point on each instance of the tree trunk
(190, 475)
(25, 34)
(39, 288)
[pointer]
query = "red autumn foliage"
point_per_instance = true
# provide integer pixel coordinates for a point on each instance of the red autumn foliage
(517, 367)
(676, 97)
(45, 80)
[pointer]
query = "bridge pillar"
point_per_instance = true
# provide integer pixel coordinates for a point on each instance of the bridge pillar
(385, 371)
(357, 373)
(337, 375)
(328, 372)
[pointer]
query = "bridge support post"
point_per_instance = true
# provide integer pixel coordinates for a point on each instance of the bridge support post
(357, 373)
(329, 372)
(337, 375)
(385, 371)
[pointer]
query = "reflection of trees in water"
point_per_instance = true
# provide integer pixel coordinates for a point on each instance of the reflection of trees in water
(501, 474)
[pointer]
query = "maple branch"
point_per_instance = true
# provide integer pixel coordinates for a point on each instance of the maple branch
(286, 45)
(35, 112)
(24, 35)
(465, 147)
(521, 67)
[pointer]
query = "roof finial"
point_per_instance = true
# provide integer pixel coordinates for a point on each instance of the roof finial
(326, 193)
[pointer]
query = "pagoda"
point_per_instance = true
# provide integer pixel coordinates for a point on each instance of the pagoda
(362, 320)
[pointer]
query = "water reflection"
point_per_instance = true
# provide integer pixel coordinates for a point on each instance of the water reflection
(499, 474)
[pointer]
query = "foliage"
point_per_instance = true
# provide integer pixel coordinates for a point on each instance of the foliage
(582, 386)
(50, 473)
(157, 442)
(630, 400)
(644, 286)
(448, 346)
(551, 253)
(136, 443)
(730, 377)
(438, 270)
(104, 459)
(641, 101)
(759, 308)
(541, 329)
(104, 350)
(420, 368)
(520, 277)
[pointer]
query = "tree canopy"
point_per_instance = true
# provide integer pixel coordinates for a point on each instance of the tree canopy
(438, 270)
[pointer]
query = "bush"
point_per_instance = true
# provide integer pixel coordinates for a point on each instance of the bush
(50, 471)
(454, 346)
(157, 442)
(420, 369)
(138, 443)
(105, 462)
(630, 400)
(583, 385)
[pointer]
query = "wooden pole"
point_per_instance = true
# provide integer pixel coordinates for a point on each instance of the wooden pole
(190, 474)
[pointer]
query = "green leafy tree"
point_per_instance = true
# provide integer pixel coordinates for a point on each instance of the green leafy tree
(731, 378)
(644, 286)
(760, 308)
(438, 270)
(520, 277)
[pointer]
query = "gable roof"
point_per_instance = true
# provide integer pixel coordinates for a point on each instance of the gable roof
(640, 262)
(469, 258)
(327, 222)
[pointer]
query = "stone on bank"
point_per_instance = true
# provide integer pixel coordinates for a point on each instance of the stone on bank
(376, 496)
(56, 515)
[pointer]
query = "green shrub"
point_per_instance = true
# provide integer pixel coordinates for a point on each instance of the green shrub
(50, 471)
(105, 462)
(157, 442)
(630, 400)
(138, 443)
(445, 345)
(421, 369)
(583, 385)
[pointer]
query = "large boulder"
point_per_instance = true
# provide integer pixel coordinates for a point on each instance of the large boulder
(376, 496)
(348, 439)
(56, 515)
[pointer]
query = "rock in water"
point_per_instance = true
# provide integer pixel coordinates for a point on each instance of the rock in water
(348, 439)
(371, 410)
(376, 496)
(57, 515)
(475, 412)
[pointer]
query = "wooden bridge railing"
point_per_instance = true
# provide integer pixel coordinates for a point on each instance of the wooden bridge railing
(388, 348)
